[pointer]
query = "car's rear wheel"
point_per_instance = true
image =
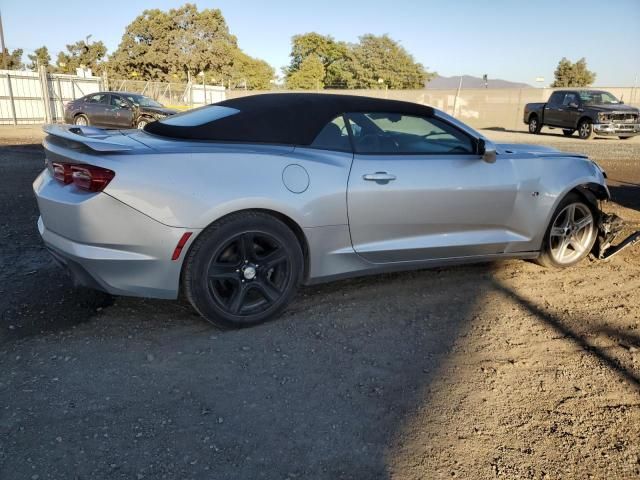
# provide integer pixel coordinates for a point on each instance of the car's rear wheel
(534, 124)
(567, 132)
(81, 120)
(585, 129)
(571, 233)
(243, 270)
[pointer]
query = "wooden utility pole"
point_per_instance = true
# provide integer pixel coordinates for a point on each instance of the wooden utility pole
(4, 57)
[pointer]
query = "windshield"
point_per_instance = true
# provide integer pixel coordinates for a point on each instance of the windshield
(142, 100)
(594, 97)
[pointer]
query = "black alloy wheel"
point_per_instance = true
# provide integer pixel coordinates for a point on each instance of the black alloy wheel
(249, 273)
(243, 270)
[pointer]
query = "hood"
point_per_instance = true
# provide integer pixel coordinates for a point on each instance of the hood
(618, 107)
(158, 110)
(539, 150)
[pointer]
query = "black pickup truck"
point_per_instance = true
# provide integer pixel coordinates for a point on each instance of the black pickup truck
(590, 112)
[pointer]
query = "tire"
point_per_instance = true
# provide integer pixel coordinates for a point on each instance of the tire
(142, 122)
(534, 124)
(585, 129)
(565, 241)
(81, 120)
(624, 138)
(567, 132)
(243, 270)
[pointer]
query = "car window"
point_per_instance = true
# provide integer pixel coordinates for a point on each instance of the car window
(98, 98)
(394, 133)
(556, 98)
(333, 136)
(594, 97)
(119, 102)
(570, 98)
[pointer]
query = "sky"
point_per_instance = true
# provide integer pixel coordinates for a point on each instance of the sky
(513, 40)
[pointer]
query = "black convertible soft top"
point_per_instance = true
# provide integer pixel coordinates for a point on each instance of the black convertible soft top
(280, 118)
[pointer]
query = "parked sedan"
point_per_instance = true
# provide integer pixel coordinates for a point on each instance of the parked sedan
(237, 204)
(115, 110)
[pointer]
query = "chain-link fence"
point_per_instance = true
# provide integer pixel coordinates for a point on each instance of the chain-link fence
(174, 95)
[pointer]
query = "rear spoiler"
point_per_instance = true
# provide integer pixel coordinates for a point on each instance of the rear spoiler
(92, 137)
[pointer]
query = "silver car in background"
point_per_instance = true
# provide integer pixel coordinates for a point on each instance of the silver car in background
(236, 204)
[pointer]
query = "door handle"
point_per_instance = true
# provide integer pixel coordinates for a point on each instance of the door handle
(379, 177)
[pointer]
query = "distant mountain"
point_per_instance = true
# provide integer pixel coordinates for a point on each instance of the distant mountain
(473, 82)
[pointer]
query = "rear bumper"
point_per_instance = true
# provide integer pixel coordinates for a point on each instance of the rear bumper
(106, 244)
(617, 129)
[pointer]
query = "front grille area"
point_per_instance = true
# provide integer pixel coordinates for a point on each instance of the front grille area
(619, 117)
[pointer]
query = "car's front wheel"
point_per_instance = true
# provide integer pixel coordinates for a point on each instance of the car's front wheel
(142, 123)
(585, 129)
(571, 233)
(243, 270)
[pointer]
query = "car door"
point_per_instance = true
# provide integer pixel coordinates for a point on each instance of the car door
(120, 112)
(96, 107)
(419, 190)
(552, 110)
(570, 111)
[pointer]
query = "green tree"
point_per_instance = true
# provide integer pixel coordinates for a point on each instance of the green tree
(82, 55)
(380, 61)
(310, 75)
(570, 74)
(40, 57)
(361, 65)
(13, 59)
(175, 44)
(334, 56)
(251, 72)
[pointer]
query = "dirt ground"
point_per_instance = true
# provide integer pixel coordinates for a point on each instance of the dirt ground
(502, 370)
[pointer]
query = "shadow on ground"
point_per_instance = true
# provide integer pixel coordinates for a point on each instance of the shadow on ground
(626, 194)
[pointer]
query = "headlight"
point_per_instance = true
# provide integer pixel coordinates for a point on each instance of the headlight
(603, 117)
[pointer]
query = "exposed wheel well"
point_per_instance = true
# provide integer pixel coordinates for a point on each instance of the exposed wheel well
(532, 115)
(583, 118)
(592, 193)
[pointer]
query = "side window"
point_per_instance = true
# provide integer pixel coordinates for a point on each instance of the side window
(98, 98)
(118, 102)
(569, 98)
(394, 133)
(333, 136)
(556, 98)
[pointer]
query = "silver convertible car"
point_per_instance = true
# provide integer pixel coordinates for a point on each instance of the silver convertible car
(236, 204)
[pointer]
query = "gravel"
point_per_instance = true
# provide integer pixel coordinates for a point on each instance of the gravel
(483, 371)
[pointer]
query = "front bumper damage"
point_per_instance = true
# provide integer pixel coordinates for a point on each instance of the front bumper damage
(609, 228)
(617, 129)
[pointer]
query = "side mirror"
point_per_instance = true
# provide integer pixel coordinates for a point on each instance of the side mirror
(488, 151)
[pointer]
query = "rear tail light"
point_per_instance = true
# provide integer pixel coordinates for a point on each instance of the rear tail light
(61, 172)
(85, 177)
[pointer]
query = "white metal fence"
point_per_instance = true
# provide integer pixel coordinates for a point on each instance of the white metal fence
(39, 97)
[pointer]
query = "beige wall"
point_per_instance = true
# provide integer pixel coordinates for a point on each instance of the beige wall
(480, 108)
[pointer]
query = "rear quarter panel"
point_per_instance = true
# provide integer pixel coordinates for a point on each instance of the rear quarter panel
(194, 187)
